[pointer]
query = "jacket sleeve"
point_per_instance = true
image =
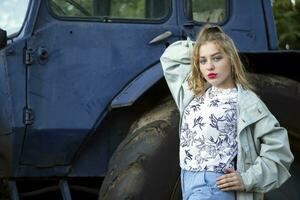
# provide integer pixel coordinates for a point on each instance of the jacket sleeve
(270, 169)
(176, 65)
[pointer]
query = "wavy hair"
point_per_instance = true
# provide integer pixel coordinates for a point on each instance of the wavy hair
(214, 33)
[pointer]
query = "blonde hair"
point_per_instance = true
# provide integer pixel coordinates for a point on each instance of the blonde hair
(214, 33)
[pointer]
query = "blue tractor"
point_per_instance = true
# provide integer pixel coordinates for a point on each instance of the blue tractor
(84, 104)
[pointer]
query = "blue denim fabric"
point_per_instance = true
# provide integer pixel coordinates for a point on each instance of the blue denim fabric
(202, 186)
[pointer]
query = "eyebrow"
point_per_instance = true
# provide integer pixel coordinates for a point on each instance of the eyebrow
(212, 55)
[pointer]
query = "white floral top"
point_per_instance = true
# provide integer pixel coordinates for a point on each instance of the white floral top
(208, 131)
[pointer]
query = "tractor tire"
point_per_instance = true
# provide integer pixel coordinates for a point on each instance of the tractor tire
(145, 165)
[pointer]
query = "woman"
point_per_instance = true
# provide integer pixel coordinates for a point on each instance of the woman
(231, 146)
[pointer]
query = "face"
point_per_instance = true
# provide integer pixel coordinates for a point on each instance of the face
(215, 66)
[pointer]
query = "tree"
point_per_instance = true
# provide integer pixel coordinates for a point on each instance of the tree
(287, 18)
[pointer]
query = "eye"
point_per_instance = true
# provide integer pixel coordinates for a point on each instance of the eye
(202, 61)
(217, 58)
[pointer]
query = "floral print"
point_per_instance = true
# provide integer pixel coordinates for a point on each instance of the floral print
(208, 131)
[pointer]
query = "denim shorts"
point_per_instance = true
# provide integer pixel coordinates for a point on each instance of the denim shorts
(202, 186)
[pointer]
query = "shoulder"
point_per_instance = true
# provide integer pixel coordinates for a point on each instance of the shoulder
(247, 96)
(248, 99)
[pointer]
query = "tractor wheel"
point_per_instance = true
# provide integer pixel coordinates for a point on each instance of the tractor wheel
(146, 164)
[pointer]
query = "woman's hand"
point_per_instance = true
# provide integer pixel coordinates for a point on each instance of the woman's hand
(230, 181)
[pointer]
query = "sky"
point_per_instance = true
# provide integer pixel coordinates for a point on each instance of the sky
(12, 13)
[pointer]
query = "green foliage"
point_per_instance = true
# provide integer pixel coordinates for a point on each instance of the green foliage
(213, 11)
(124, 9)
(78, 8)
(287, 20)
(204, 5)
(128, 9)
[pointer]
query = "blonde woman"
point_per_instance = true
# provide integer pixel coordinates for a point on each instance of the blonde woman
(231, 146)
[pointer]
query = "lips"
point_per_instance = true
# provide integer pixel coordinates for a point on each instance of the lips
(212, 75)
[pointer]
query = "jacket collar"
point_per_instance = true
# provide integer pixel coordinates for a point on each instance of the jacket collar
(250, 108)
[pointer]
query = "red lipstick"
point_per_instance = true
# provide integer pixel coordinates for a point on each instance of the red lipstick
(212, 75)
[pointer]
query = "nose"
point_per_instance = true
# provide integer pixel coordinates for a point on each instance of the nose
(210, 65)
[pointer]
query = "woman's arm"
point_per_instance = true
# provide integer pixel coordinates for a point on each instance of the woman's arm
(176, 64)
(270, 169)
